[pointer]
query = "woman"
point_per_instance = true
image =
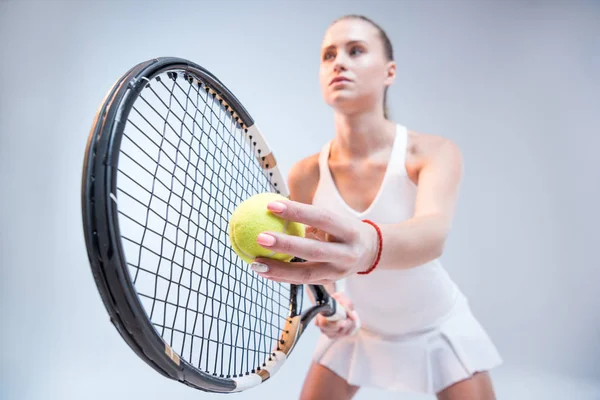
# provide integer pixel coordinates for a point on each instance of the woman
(380, 200)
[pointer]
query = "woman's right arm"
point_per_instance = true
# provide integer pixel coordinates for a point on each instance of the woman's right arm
(302, 182)
(303, 179)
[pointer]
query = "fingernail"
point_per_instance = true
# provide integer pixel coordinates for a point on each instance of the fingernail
(265, 240)
(276, 206)
(259, 267)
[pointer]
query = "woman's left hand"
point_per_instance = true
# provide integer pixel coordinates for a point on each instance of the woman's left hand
(334, 246)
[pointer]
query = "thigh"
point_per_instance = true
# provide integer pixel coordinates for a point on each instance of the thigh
(322, 383)
(477, 387)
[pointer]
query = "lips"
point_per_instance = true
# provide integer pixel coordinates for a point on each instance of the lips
(339, 79)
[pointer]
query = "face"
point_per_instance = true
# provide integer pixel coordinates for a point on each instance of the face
(354, 69)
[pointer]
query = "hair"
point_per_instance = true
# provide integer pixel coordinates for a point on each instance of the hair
(387, 48)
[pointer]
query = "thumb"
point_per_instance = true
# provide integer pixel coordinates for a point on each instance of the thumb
(318, 320)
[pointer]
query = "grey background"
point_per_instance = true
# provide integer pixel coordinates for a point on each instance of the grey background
(515, 83)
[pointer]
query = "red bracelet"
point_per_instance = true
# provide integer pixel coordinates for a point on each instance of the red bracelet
(379, 236)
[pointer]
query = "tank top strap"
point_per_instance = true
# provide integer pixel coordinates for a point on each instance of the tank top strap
(397, 160)
(324, 172)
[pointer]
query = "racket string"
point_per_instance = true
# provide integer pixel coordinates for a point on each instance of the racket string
(242, 172)
(200, 297)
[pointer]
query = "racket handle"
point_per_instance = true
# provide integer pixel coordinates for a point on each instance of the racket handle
(340, 314)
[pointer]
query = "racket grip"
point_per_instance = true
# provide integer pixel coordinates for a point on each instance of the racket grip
(340, 312)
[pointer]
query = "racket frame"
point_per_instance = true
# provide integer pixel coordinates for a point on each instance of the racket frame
(106, 255)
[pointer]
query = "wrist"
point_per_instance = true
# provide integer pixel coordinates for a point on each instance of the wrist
(374, 249)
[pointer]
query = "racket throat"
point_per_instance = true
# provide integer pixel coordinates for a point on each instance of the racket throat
(324, 303)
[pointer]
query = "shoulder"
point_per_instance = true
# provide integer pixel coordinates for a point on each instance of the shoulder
(303, 179)
(424, 149)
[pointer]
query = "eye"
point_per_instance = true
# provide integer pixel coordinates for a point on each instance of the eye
(355, 50)
(328, 55)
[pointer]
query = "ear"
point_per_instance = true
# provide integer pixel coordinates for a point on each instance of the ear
(390, 73)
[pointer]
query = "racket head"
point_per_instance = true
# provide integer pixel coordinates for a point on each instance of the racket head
(107, 223)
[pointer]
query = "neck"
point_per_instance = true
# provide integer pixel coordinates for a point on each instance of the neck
(360, 136)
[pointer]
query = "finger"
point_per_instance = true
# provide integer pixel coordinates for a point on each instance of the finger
(294, 282)
(333, 326)
(307, 249)
(322, 282)
(314, 273)
(348, 329)
(330, 332)
(342, 326)
(330, 326)
(335, 331)
(314, 216)
(322, 322)
(283, 280)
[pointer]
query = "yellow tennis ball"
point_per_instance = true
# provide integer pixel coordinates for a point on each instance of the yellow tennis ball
(251, 218)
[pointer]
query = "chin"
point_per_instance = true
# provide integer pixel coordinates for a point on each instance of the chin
(343, 102)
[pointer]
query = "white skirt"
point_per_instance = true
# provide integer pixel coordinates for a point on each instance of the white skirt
(427, 361)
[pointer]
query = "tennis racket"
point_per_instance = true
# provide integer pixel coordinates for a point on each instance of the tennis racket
(170, 155)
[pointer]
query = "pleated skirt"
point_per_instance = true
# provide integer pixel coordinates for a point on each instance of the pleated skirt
(425, 361)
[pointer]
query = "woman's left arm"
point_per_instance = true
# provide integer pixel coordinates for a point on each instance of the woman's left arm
(421, 238)
(352, 245)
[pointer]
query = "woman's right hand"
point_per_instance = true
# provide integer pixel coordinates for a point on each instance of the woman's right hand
(337, 329)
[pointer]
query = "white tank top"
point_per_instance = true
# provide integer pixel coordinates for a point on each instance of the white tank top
(391, 302)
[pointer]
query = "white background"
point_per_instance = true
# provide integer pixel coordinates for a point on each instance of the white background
(515, 84)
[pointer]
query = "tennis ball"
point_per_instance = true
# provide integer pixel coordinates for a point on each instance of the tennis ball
(250, 218)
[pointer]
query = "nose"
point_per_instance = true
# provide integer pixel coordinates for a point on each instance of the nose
(340, 64)
(339, 67)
